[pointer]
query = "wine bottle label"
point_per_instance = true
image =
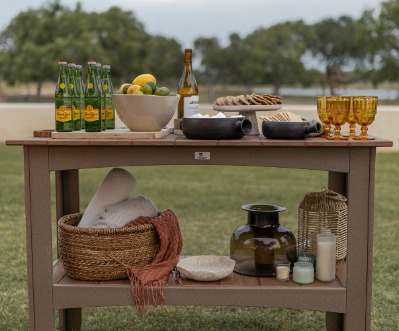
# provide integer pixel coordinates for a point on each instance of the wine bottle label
(191, 105)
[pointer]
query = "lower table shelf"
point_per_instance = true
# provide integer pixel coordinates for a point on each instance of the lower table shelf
(235, 290)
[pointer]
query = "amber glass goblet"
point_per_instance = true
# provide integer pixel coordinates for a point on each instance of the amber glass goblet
(338, 112)
(352, 121)
(365, 109)
(322, 112)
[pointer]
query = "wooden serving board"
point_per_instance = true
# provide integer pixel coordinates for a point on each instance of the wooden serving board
(110, 134)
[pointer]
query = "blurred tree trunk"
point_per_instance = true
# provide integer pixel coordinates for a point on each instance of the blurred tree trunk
(39, 88)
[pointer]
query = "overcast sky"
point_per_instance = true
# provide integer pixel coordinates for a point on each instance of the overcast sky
(186, 20)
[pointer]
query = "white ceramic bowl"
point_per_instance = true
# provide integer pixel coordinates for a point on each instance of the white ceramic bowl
(206, 267)
(145, 113)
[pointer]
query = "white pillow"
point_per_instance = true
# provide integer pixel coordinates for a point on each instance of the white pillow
(116, 187)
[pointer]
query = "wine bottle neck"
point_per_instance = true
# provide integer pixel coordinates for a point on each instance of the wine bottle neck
(188, 53)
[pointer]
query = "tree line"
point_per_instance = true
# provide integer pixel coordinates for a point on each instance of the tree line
(363, 49)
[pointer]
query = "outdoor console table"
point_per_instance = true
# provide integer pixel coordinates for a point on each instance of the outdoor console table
(350, 164)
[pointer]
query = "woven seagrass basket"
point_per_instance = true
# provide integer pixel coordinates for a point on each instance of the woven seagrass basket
(324, 211)
(91, 254)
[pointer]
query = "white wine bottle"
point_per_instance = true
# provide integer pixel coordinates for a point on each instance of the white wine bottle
(188, 89)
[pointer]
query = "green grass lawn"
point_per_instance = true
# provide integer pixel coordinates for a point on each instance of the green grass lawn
(208, 203)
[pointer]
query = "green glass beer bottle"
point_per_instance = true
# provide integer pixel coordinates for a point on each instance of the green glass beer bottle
(108, 91)
(63, 102)
(75, 97)
(92, 101)
(101, 89)
(80, 88)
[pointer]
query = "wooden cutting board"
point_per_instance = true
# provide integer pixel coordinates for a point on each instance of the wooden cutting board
(108, 134)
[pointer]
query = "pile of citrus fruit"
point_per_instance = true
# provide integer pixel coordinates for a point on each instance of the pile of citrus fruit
(144, 84)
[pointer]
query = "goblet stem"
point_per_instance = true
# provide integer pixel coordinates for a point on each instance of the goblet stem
(327, 130)
(337, 134)
(364, 135)
(352, 130)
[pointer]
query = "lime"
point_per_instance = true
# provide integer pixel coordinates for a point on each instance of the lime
(137, 92)
(133, 88)
(144, 79)
(146, 89)
(153, 86)
(124, 87)
(162, 91)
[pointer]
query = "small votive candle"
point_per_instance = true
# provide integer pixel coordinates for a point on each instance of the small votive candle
(303, 273)
(283, 271)
(326, 257)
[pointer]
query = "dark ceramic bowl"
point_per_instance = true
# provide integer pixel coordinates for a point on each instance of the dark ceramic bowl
(215, 128)
(289, 130)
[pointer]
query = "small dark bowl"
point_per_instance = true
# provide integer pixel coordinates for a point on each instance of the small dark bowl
(216, 128)
(289, 130)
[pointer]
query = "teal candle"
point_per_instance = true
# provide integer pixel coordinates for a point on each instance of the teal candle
(306, 257)
(303, 273)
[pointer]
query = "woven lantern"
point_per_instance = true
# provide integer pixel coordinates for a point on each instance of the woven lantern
(324, 211)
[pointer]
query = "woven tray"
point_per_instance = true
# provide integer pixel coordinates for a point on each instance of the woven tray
(324, 211)
(89, 254)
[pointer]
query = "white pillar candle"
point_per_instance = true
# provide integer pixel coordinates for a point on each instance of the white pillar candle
(303, 273)
(326, 257)
(283, 272)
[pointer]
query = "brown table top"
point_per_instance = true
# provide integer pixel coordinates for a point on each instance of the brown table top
(178, 140)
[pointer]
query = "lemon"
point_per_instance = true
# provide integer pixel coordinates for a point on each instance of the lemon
(133, 88)
(162, 91)
(124, 87)
(137, 92)
(146, 89)
(144, 79)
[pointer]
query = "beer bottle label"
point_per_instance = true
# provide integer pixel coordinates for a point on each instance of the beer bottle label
(63, 114)
(109, 108)
(76, 113)
(92, 114)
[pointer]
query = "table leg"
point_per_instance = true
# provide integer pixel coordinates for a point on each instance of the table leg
(39, 238)
(334, 321)
(68, 202)
(70, 319)
(67, 192)
(360, 195)
(337, 182)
